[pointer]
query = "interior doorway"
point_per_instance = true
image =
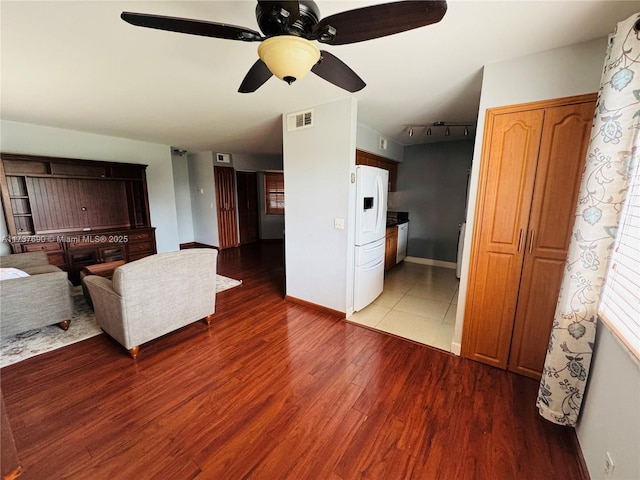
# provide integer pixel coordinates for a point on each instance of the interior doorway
(247, 187)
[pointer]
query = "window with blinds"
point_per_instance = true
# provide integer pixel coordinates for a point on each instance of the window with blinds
(620, 300)
(274, 193)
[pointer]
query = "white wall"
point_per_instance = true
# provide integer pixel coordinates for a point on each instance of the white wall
(609, 420)
(368, 139)
(55, 142)
(203, 198)
(318, 163)
(183, 197)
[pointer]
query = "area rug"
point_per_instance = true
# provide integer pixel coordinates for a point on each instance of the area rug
(83, 325)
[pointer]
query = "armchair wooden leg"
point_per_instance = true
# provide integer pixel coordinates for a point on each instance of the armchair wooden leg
(208, 319)
(64, 324)
(134, 351)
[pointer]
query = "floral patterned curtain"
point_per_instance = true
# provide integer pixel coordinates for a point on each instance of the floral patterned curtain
(614, 146)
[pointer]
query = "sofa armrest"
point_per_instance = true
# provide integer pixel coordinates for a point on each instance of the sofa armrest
(108, 307)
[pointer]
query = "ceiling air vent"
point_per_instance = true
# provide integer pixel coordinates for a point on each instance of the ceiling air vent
(296, 121)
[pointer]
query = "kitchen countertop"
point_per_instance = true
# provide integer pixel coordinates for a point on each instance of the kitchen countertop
(394, 224)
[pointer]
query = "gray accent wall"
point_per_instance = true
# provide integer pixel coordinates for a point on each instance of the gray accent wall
(432, 187)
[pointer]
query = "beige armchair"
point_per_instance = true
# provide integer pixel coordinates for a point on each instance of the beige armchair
(42, 298)
(155, 295)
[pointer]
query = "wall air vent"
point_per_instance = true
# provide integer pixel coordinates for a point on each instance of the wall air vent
(299, 120)
(223, 158)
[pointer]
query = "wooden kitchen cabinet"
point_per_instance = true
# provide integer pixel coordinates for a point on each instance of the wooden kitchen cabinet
(533, 158)
(391, 247)
(373, 160)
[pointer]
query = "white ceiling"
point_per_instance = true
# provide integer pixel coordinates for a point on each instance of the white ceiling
(76, 65)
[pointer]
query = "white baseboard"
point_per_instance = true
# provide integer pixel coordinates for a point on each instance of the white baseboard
(429, 261)
(456, 348)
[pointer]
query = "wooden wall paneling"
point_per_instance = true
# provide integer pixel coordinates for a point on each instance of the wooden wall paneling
(226, 202)
(563, 151)
(508, 181)
(69, 204)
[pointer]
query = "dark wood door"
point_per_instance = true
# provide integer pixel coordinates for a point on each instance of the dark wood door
(563, 150)
(226, 202)
(247, 185)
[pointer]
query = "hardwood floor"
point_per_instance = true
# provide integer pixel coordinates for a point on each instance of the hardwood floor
(274, 390)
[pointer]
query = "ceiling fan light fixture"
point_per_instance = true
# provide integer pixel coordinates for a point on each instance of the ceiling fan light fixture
(288, 57)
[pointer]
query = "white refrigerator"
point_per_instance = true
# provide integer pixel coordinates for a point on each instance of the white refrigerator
(371, 222)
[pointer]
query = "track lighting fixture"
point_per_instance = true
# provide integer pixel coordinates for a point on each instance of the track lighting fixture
(427, 129)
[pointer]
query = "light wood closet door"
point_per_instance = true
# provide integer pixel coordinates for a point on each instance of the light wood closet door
(532, 160)
(508, 174)
(226, 200)
(563, 150)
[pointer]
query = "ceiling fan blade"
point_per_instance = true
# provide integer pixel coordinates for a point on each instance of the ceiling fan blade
(192, 27)
(379, 21)
(293, 7)
(257, 75)
(335, 71)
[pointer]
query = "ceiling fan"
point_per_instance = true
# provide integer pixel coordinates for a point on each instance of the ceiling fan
(289, 27)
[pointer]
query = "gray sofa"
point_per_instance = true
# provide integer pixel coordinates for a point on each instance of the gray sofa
(155, 295)
(43, 298)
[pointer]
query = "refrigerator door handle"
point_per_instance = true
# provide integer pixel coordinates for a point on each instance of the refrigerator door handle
(380, 203)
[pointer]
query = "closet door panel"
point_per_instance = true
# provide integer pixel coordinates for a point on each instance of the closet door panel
(514, 146)
(563, 150)
(509, 164)
(537, 299)
(226, 203)
(495, 296)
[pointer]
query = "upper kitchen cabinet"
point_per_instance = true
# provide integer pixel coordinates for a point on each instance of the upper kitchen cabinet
(373, 160)
(532, 162)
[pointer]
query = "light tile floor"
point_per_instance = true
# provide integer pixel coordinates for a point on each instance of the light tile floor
(418, 302)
